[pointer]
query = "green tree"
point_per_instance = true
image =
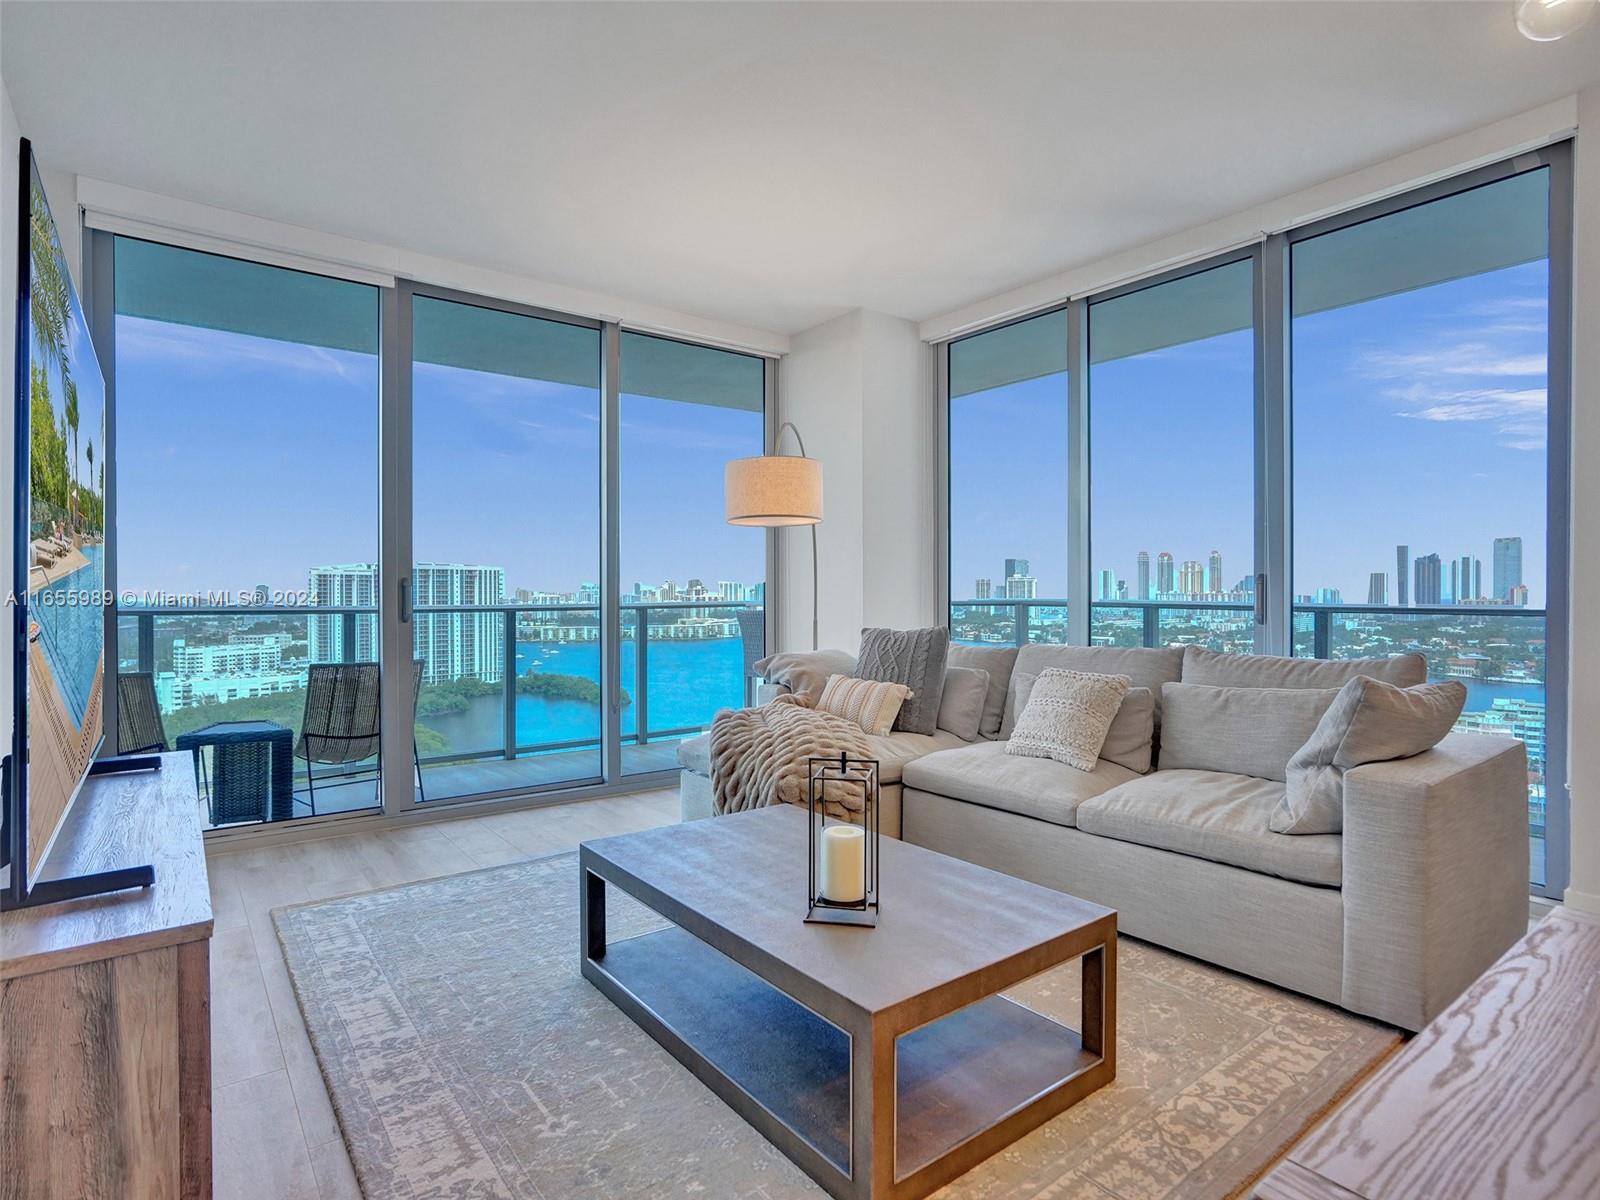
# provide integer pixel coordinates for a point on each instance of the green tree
(71, 387)
(47, 449)
(50, 305)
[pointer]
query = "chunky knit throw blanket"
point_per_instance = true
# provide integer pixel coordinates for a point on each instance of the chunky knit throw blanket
(758, 755)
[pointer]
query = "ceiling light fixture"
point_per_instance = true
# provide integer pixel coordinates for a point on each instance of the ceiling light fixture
(1551, 20)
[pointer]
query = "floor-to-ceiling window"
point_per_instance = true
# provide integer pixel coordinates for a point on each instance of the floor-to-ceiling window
(1421, 439)
(1349, 440)
(692, 587)
(246, 476)
(293, 508)
(506, 542)
(1172, 462)
(1007, 452)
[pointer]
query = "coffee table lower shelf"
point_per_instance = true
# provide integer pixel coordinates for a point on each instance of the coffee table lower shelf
(787, 1070)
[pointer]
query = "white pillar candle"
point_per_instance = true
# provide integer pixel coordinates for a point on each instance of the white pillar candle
(843, 865)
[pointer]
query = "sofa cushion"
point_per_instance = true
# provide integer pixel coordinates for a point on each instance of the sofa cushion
(1216, 669)
(805, 672)
(1213, 815)
(1240, 730)
(893, 752)
(983, 773)
(998, 661)
(1145, 668)
(1368, 721)
(961, 706)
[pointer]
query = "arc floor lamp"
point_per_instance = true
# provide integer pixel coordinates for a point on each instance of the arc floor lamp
(776, 490)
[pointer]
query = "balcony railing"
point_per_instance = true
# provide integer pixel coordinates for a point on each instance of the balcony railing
(501, 633)
(1220, 624)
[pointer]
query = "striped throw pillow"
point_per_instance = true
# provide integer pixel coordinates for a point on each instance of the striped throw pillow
(870, 703)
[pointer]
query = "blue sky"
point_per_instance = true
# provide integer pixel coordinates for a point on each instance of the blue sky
(1418, 418)
(245, 460)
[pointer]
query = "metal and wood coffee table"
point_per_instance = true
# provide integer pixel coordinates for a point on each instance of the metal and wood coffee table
(882, 1061)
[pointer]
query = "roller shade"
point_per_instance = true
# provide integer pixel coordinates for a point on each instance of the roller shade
(1491, 227)
(211, 291)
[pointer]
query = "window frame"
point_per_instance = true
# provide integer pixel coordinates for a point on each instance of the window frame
(1273, 433)
(395, 480)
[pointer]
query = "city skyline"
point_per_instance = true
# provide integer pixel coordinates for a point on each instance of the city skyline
(1428, 405)
(242, 458)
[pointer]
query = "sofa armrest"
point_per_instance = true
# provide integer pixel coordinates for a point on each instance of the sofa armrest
(766, 692)
(1435, 874)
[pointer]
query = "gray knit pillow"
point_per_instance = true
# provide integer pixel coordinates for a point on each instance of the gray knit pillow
(914, 657)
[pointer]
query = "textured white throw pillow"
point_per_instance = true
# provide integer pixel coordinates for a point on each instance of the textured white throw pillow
(870, 703)
(1068, 716)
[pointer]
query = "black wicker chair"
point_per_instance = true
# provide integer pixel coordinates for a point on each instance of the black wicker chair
(139, 727)
(341, 725)
(753, 631)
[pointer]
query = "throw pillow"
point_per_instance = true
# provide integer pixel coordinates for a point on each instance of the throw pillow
(998, 661)
(870, 704)
(1130, 740)
(914, 657)
(961, 707)
(1237, 730)
(1369, 721)
(1068, 716)
(804, 673)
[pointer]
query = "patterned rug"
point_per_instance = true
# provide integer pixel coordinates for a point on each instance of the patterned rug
(467, 1057)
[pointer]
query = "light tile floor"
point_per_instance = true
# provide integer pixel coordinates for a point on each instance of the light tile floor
(274, 1133)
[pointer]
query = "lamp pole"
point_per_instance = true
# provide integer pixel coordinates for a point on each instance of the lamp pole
(801, 442)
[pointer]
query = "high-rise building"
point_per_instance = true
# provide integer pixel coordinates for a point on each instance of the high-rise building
(1108, 585)
(1429, 581)
(1402, 575)
(1143, 591)
(1016, 566)
(1477, 579)
(459, 645)
(1507, 567)
(1166, 581)
(1327, 595)
(982, 589)
(1191, 578)
(344, 585)
(1021, 587)
(1378, 588)
(1518, 596)
(1214, 573)
(1464, 577)
(727, 589)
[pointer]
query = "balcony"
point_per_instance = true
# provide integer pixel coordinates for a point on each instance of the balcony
(509, 701)
(1497, 651)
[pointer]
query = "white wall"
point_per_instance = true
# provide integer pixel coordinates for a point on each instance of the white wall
(1584, 695)
(858, 389)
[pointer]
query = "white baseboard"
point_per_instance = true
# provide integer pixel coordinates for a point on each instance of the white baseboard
(1585, 902)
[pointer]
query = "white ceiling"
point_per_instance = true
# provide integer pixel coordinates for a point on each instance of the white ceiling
(768, 164)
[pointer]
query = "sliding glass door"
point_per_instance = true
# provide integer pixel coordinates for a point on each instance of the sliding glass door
(1008, 481)
(1172, 399)
(245, 482)
(1423, 452)
(506, 540)
(692, 587)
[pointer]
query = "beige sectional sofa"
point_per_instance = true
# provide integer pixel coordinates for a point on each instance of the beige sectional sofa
(1392, 917)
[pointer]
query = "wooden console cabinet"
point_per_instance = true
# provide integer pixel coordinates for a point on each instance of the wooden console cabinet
(105, 1007)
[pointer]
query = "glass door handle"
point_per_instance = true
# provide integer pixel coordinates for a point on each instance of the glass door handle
(1261, 598)
(405, 601)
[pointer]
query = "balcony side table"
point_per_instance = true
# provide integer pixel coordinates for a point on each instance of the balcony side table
(252, 761)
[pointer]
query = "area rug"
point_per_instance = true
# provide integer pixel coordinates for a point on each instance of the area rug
(467, 1057)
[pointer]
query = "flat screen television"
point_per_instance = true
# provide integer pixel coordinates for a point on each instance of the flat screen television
(59, 588)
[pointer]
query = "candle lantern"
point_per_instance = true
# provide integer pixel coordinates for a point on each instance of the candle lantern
(842, 842)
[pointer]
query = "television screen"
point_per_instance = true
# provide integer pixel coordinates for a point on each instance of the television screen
(61, 532)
